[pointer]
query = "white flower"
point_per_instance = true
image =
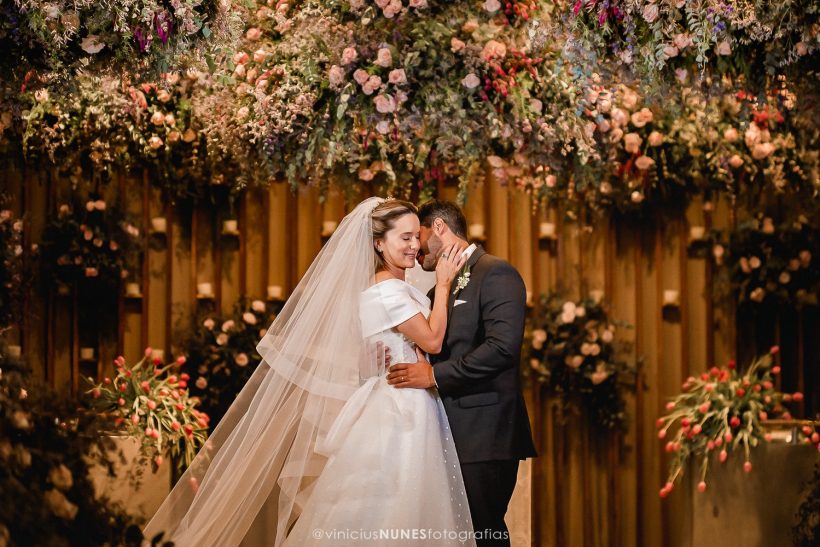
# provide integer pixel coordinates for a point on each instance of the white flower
(619, 117)
(260, 55)
(249, 318)
(683, 40)
(754, 262)
(91, 44)
(730, 135)
(157, 118)
(642, 117)
(629, 98)
(384, 58)
(201, 382)
(636, 197)
(735, 161)
(491, 6)
(383, 127)
(155, 142)
(242, 113)
(241, 359)
(222, 339)
(228, 325)
(607, 336)
(208, 324)
(784, 278)
(258, 306)
(681, 75)
(650, 12)
(569, 307)
(456, 45)
(539, 335)
(768, 226)
(805, 258)
(470, 81)
(253, 34)
(536, 105)
(576, 361)
(41, 95)
(758, 294)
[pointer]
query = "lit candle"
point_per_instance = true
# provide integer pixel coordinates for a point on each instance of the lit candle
(132, 289)
(204, 289)
(696, 233)
(671, 298)
(476, 231)
(230, 226)
(546, 229)
(328, 227)
(15, 351)
(275, 292)
(159, 225)
(87, 354)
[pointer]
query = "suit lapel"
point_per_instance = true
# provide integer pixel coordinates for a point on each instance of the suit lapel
(478, 253)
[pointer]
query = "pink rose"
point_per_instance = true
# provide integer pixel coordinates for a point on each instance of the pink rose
(655, 138)
(155, 142)
(384, 58)
(260, 55)
(361, 76)
(632, 143)
(349, 55)
(470, 81)
(241, 57)
(724, 48)
(650, 13)
(336, 75)
(644, 162)
(762, 150)
(371, 85)
(157, 118)
(456, 45)
(163, 96)
(493, 50)
(385, 104)
(418, 4)
(365, 174)
(397, 76)
(730, 135)
(470, 26)
(253, 34)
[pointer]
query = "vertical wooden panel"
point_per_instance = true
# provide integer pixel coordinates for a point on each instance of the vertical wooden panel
(254, 232)
(499, 226)
(308, 229)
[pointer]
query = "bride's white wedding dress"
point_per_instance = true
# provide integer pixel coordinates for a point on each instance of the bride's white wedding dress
(392, 475)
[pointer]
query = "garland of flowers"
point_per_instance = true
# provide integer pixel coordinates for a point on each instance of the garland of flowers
(571, 350)
(91, 242)
(221, 355)
(152, 404)
(656, 38)
(15, 280)
(723, 411)
(131, 35)
(769, 264)
(45, 451)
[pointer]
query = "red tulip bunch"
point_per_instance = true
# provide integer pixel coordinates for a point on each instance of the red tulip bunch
(723, 411)
(151, 402)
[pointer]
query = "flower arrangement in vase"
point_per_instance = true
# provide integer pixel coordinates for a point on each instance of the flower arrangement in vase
(93, 243)
(571, 350)
(152, 403)
(722, 412)
(221, 354)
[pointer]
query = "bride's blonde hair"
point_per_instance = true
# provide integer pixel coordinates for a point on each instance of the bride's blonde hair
(384, 218)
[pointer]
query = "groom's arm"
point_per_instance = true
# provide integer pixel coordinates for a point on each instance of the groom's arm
(503, 300)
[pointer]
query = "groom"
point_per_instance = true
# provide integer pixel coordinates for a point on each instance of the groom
(476, 372)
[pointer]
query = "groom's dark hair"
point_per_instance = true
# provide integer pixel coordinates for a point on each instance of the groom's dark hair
(447, 211)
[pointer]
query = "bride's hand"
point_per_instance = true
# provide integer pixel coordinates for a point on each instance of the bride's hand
(449, 263)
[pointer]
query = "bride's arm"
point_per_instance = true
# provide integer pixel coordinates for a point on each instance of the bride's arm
(429, 334)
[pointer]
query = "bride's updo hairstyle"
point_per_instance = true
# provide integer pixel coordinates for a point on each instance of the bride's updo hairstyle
(384, 219)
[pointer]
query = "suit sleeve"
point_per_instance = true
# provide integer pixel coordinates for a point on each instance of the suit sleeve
(503, 306)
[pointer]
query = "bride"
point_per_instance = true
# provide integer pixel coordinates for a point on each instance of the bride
(317, 448)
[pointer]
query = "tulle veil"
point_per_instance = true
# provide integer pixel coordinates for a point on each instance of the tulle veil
(260, 463)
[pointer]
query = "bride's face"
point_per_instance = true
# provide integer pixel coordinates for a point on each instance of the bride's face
(400, 244)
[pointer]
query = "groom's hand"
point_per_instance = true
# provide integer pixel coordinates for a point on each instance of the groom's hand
(417, 375)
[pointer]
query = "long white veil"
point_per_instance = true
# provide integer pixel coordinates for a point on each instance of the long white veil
(263, 453)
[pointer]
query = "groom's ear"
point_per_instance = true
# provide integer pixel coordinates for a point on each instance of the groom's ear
(440, 227)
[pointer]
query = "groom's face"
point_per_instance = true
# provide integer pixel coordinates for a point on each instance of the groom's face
(431, 247)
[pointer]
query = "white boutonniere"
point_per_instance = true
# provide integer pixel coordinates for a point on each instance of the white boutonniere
(462, 280)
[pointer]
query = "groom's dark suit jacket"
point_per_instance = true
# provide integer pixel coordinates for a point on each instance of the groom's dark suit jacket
(477, 371)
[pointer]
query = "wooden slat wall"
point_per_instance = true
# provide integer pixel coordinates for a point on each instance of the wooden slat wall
(587, 490)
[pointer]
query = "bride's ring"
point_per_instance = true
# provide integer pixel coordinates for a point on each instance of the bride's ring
(403, 378)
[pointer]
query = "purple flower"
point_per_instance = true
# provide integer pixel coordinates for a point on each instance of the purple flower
(164, 24)
(141, 37)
